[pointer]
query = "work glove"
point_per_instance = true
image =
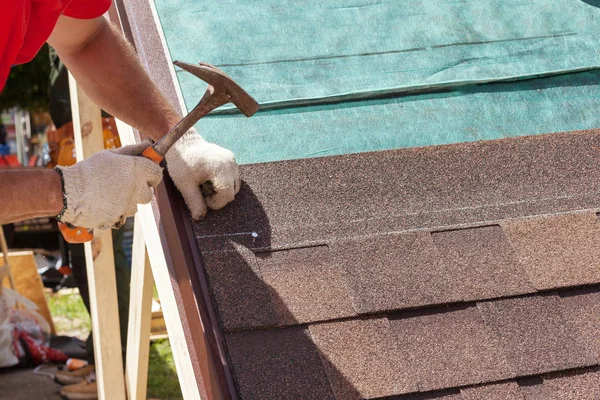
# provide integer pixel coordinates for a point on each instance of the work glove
(192, 162)
(103, 190)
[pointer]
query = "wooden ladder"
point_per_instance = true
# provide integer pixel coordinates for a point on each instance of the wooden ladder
(148, 260)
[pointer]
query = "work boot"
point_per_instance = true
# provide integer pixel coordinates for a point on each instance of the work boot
(72, 377)
(86, 390)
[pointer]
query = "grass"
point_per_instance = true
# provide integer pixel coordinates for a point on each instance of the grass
(72, 319)
(69, 315)
(162, 378)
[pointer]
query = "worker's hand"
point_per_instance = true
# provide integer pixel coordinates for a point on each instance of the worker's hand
(101, 191)
(193, 161)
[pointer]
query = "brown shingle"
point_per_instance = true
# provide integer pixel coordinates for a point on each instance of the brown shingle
(361, 359)
(243, 299)
(334, 200)
(438, 395)
(318, 199)
(566, 386)
(482, 262)
(583, 311)
(277, 364)
(534, 334)
(498, 391)
(305, 284)
(558, 250)
(394, 272)
(450, 349)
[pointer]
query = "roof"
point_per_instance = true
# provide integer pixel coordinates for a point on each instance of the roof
(461, 272)
(483, 70)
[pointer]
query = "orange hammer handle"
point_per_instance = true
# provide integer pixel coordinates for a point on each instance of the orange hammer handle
(73, 234)
(153, 155)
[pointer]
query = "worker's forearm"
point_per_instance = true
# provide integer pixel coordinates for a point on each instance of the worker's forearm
(110, 73)
(29, 193)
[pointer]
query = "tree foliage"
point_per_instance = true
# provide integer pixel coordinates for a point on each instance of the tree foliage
(27, 84)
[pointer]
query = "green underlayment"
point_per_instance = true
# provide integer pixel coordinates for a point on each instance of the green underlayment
(320, 69)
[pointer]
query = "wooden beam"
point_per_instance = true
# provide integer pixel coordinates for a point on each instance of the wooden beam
(27, 282)
(87, 125)
(197, 344)
(205, 353)
(158, 329)
(140, 313)
(4, 250)
(164, 285)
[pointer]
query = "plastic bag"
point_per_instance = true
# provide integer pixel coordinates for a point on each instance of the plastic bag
(8, 357)
(31, 337)
(24, 333)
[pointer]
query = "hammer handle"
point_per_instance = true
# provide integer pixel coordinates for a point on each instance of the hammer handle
(151, 154)
(211, 100)
(74, 234)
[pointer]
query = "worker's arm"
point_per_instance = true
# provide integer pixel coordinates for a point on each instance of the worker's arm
(108, 70)
(87, 194)
(29, 193)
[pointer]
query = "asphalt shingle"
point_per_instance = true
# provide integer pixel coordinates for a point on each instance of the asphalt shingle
(277, 364)
(407, 229)
(558, 250)
(243, 300)
(481, 263)
(394, 272)
(438, 395)
(566, 386)
(361, 359)
(582, 309)
(320, 199)
(306, 285)
(449, 349)
(534, 334)
(498, 391)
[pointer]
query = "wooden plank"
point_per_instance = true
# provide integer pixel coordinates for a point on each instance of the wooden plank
(27, 281)
(4, 250)
(87, 125)
(196, 326)
(140, 312)
(157, 325)
(164, 285)
(197, 343)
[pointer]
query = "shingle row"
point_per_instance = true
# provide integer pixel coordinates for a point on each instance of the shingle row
(400, 271)
(298, 202)
(437, 349)
(583, 384)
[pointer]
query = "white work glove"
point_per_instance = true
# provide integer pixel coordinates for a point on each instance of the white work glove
(193, 161)
(101, 191)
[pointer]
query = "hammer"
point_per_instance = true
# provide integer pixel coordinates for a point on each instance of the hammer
(221, 90)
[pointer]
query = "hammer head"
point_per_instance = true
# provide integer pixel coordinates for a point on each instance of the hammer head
(220, 81)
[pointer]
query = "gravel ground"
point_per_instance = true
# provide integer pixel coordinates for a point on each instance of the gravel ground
(23, 384)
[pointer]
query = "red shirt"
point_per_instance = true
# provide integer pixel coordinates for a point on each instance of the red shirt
(25, 25)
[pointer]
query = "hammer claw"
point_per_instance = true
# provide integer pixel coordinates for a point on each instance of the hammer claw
(220, 80)
(221, 90)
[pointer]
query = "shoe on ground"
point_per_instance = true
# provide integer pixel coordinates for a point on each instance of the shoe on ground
(71, 377)
(86, 390)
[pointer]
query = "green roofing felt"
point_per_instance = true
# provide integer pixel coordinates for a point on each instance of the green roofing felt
(294, 56)
(493, 111)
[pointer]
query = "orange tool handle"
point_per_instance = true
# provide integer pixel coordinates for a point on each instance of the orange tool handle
(73, 234)
(153, 155)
